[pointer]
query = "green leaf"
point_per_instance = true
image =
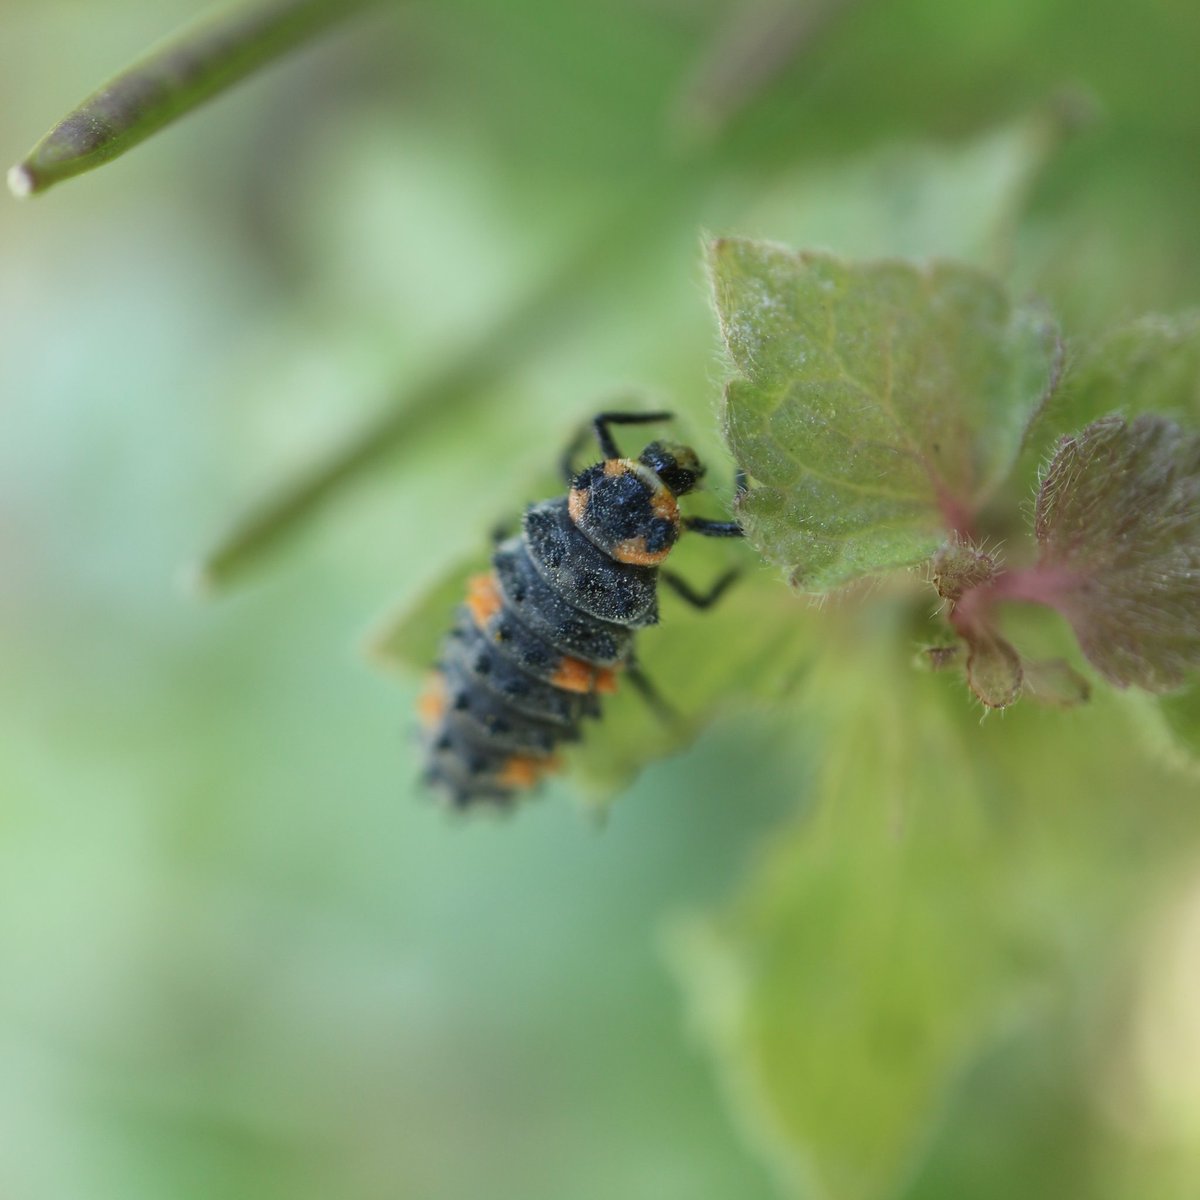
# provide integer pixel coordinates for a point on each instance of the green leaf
(871, 956)
(1181, 715)
(748, 651)
(956, 882)
(877, 405)
(1054, 682)
(170, 81)
(958, 201)
(407, 641)
(1118, 520)
(1151, 365)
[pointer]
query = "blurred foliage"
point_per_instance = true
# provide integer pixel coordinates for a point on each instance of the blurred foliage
(240, 956)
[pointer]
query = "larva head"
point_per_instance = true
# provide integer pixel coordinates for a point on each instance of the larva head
(677, 466)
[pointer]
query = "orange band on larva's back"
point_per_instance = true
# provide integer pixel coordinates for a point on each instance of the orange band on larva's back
(575, 675)
(663, 504)
(606, 681)
(633, 550)
(523, 771)
(483, 598)
(431, 704)
(577, 501)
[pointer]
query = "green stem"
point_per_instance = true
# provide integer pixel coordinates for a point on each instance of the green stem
(170, 81)
(548, 309)
(532, 324)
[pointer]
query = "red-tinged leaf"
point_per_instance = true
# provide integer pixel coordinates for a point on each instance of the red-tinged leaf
(1118, 520)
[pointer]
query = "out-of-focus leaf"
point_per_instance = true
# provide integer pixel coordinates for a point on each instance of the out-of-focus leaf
(1151, 365)
(533, 321)
(955, 877)
(876, 405)
(958, 201)
(1171, 725)
(1181, 714)
(170, 81)
(871, 955)
(408, 640)
(1055, 682)
(1118, 521)
(1022, 1124)
(753, 47)
(750, 650)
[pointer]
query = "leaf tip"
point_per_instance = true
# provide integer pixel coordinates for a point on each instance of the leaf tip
(21, 181)
(716, 250)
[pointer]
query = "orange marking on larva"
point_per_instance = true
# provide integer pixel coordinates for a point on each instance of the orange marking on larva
(483, 598)
(520, 771)
(633, 550)
(663, 505)
(617, 466)
(577, 502)
(574, 675)
(606, 681)
(431, 703)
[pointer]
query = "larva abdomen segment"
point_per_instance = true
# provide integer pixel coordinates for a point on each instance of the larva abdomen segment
(583, 575)
(517, 674)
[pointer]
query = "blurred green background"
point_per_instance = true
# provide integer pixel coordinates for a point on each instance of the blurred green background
(240, 954)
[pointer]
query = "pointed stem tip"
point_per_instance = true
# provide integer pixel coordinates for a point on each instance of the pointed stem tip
(173, 79)
(20, 181)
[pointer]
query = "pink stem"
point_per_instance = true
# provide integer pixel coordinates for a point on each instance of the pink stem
(1041, 584)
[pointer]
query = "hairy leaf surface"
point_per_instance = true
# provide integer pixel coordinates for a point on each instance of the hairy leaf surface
(1118, 520)
(876, 405)
(1151, 365)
